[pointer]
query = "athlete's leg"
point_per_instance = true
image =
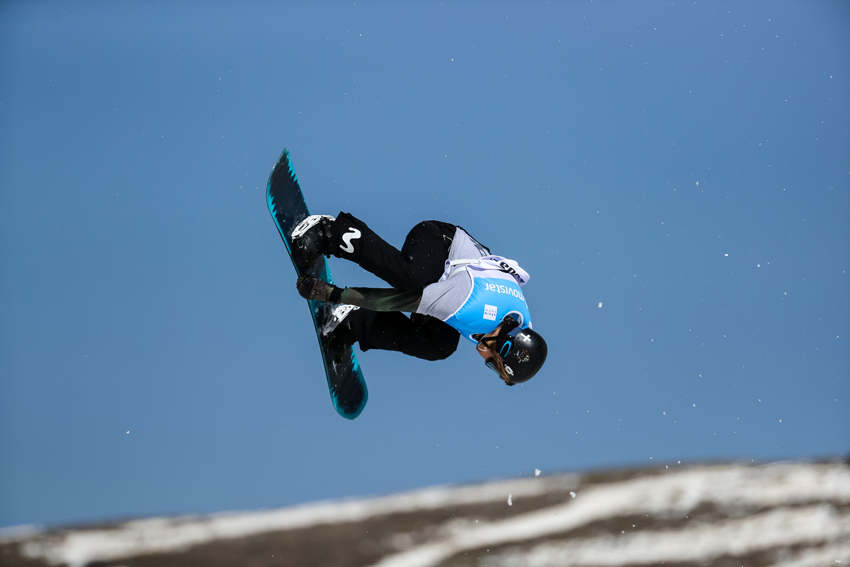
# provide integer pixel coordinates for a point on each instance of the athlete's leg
(420, 336)
(420, 262)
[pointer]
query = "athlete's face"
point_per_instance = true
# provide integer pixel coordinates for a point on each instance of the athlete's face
(482, 344)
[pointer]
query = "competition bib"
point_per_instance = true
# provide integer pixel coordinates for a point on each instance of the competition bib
(496, 292)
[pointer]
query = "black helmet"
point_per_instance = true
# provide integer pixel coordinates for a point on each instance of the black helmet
(522, 350)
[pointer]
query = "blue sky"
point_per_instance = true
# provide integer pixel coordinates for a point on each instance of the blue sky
(685, 164)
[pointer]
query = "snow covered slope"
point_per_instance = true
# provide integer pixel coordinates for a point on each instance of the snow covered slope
(793, 514)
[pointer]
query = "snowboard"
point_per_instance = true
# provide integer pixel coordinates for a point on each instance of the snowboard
(287, 206)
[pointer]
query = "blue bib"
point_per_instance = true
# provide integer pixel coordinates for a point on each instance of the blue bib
(489, 301)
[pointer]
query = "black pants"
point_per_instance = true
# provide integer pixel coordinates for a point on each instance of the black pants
(421, 261)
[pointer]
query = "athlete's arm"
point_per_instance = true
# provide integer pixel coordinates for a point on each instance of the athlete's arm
(374, 299)
(378, 299)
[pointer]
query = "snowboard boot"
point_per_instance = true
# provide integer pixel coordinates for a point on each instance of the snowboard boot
(339, 338)
(311, 239)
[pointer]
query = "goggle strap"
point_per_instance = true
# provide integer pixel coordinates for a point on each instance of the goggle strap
(508, 324)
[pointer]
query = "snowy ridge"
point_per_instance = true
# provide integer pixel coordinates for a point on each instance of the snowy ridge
(783, 514)
(676, 493)
(156, 535)
(801, 526)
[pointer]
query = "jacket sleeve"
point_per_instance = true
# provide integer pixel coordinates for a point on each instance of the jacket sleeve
(382, 299)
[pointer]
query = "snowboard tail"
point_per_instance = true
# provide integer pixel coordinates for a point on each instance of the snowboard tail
(287, 206)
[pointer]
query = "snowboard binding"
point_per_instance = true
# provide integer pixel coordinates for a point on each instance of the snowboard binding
(337, 335)
(338, 315)
(311, 239)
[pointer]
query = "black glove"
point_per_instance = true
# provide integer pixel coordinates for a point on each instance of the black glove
(315, 289)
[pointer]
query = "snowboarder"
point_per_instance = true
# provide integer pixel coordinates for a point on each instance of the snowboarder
(449, 283)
